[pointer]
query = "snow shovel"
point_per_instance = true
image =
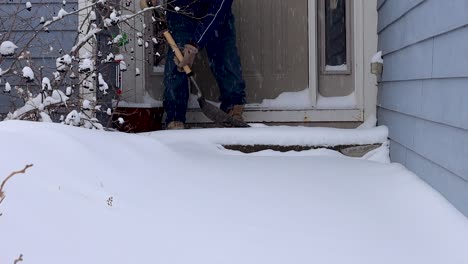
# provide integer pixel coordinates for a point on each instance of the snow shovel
(211, 111)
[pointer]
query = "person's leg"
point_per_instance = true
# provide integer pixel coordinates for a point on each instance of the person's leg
(176, 91)
(225, 65)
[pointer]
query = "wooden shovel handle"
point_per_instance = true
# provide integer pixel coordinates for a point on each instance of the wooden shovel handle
(176, 50)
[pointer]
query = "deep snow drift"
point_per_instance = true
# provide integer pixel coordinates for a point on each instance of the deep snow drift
(180, 197)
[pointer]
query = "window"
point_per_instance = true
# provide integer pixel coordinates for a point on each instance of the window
(334, 25)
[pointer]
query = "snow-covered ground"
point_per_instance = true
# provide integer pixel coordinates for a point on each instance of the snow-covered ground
(180, 197)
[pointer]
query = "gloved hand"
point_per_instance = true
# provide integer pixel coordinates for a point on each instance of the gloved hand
(189, 52)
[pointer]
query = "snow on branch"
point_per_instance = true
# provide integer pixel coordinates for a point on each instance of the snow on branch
(80, 84)
(85, 39)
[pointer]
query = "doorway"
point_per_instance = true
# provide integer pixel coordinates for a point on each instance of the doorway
(295, 55)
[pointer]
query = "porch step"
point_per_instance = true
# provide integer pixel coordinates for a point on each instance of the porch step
(355, 151)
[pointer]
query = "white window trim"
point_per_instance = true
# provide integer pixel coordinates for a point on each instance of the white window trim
(313, 73)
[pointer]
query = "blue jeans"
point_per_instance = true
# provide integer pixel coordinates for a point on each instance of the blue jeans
(224, 63)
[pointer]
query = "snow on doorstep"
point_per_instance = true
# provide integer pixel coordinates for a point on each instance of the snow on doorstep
(102, 197)
(279, 135)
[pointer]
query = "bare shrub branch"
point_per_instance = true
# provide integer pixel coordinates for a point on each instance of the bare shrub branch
(2, 192)
(20, 258)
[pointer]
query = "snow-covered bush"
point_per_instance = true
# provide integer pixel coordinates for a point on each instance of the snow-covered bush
(79, 87)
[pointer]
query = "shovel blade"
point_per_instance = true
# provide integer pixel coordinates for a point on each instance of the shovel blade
(219, 116)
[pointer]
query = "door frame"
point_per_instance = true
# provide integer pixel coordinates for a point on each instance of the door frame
(365, 45)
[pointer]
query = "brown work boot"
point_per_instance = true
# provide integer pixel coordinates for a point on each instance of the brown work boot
(175, 125)
(236, 112)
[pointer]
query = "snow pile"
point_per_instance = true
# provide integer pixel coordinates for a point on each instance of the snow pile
(101, 197)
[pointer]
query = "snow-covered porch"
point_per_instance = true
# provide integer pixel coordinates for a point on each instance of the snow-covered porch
(180, 196)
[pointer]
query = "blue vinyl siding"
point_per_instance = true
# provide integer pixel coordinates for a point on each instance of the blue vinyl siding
(423, 94)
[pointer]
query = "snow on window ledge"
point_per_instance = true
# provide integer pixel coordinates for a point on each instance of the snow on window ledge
(302, 100)
(337, 68)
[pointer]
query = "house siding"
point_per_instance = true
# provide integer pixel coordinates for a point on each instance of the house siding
(423, 93)
(47, 46)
